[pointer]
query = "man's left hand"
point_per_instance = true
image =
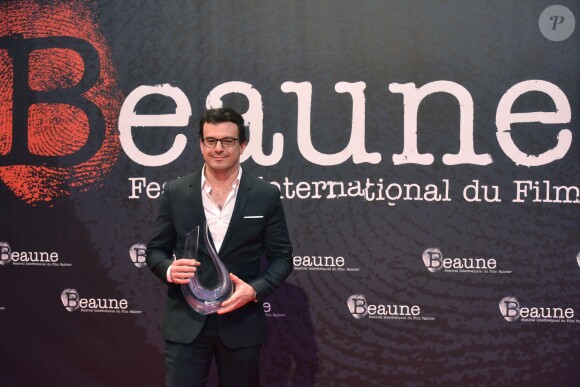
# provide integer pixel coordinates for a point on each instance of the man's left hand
(243, 294)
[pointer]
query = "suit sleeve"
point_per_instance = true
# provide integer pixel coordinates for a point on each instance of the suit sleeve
(160, 248)
(278, 250)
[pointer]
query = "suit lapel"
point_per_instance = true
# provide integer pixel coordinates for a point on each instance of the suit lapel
(195, 195)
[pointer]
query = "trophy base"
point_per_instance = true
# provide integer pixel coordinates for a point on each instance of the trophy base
(203, 307)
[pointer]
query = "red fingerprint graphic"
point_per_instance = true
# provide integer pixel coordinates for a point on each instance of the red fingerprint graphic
(56, 128)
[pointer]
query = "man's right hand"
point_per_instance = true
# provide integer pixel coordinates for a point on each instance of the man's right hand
(182, 270)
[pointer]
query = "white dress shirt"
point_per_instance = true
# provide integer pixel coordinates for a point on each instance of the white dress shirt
(218, 219)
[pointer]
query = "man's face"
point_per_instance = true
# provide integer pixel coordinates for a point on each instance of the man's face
(221, 159)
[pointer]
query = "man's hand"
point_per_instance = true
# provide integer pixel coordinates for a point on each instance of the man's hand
(182, 270)
(243, 294)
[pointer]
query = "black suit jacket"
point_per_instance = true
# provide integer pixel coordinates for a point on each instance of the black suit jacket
(258, 226)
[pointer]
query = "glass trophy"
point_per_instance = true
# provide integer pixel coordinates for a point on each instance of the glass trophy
(200, 298)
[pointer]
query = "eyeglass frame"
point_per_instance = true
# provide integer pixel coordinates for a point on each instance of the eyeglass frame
(203, 140)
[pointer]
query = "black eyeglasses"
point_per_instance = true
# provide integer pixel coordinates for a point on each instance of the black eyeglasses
(227, 142)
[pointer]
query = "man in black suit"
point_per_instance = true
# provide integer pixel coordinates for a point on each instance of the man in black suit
(246, 220)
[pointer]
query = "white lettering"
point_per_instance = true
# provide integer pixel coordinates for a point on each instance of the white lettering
(318, 261)
(412, 98)
(356, 146)
(128, 119)
(34, 256)
(505, 118)
(254, 118)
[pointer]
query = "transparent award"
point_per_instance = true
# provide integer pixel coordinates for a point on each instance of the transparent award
(202, 299)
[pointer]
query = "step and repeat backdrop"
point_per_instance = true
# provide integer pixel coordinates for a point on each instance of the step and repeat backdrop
(428, 160)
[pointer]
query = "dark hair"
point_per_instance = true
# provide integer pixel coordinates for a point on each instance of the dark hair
(219, 115)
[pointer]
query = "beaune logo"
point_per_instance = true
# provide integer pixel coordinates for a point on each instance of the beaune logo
(29, 258)
(359, 308)
(353, 303)
(69, 298)
(321, 263)
(59, 100)
(137, 254)
(511, 310)
(72, 301)
(5, 253)
(435, 261)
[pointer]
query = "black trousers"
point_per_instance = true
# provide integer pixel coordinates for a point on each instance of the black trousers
(189, 364)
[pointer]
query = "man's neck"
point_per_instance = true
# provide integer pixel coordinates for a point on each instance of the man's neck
(220, 179)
